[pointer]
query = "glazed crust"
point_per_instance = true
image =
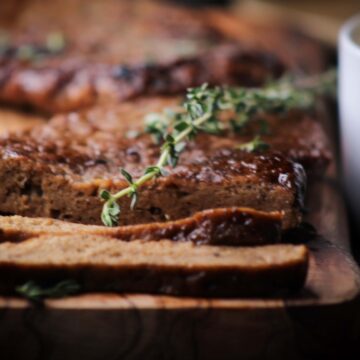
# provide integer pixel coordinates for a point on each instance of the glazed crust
(56, 170)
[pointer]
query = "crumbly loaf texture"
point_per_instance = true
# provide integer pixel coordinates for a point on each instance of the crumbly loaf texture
(57, 170)
(106, 264)
(133, 48)
(231, 226)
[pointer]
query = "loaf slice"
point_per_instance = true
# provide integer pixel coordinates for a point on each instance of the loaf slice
(101, 263)
(231, 226)
(61, 179)
(56, 170)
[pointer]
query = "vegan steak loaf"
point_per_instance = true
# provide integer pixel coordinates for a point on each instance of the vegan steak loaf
(101, 263)
(196, 228)
(58, 169)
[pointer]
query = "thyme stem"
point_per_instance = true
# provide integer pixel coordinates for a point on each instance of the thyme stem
(161, 162)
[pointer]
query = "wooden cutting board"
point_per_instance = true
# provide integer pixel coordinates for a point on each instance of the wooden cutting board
(321, 321)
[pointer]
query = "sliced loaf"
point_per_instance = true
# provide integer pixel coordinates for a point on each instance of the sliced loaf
(231, 226)
(57, 170)
(102, 263)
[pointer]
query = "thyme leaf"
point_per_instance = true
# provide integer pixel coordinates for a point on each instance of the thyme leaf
(111, 210)
(127, 176)
(133, 193)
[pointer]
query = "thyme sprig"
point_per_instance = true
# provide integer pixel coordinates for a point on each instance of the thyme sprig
(200, 113)
(170, 151)
(36, 292)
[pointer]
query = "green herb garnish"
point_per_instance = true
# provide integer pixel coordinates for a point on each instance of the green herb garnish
(35, 292)
(254, 145)
(200, 113)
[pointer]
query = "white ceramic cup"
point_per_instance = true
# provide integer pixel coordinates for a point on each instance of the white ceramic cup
(349, 102)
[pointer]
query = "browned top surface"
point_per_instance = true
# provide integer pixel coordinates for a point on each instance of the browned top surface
(92, 145)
